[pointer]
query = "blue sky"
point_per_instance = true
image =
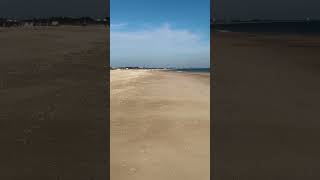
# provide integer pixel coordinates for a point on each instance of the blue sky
(154, 33)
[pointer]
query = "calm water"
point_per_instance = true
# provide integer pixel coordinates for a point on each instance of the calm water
(198, 70)
(303, 27)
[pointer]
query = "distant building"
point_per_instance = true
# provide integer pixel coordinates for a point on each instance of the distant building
(27, 24)
(55, 23)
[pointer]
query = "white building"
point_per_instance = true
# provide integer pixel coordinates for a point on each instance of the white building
(54, 23)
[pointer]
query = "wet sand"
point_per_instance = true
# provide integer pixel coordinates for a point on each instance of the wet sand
(52, 103)
(159, 125)
(265, 106)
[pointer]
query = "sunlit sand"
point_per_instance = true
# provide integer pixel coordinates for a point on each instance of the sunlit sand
(159, 125)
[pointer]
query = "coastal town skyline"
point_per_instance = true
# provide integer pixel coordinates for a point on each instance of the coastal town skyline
(53, 21)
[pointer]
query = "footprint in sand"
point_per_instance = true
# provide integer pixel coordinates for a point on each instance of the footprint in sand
(132, 171)
(123, 163)
(188, 148)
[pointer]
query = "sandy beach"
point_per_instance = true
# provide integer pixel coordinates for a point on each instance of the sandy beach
(53, 95)
(160, 125)
(265, 106)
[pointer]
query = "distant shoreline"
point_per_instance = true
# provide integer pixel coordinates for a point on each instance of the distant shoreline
(166, 69)
(285, 27)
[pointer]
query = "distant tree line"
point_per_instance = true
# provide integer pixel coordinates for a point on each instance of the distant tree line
(54, 21)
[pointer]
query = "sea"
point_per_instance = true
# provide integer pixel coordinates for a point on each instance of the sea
(296, 27)
(193, 70)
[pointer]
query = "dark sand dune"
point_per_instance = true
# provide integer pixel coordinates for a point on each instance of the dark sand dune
(53, 103)
(266, 106)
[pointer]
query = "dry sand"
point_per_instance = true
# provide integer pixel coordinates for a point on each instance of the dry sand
(265, 106)
(159, 125)
(53, 95)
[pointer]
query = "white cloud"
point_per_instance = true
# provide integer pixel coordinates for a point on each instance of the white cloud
(160, 46)
(118, 26)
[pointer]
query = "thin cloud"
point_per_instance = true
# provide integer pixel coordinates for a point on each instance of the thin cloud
(159, 46)
(119, 25)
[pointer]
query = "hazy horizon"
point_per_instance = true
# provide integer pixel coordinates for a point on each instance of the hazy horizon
(161, 67)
